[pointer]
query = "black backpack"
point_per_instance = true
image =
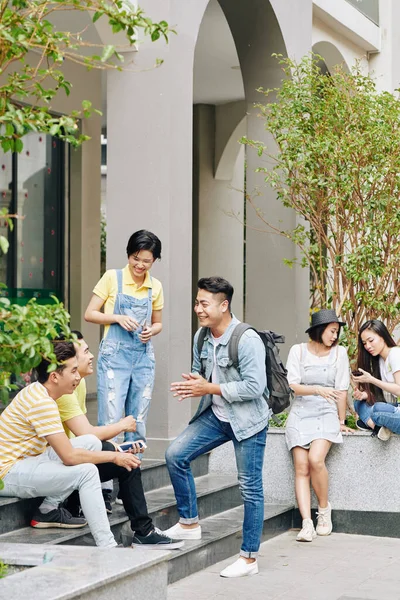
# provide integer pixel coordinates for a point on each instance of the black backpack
(277, 383)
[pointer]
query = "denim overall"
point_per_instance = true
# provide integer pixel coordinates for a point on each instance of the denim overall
(313, 417)
(126, 366)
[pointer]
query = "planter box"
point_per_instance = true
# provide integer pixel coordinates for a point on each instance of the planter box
(363, 472)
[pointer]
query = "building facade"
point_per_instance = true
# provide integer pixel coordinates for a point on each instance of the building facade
(174, 166)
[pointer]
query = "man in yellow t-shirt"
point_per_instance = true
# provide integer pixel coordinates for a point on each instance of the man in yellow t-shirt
(37, 459)
(73, 416)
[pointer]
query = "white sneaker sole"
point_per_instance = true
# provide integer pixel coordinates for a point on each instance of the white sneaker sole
(325, 533)
(384, 434)
(304, 539)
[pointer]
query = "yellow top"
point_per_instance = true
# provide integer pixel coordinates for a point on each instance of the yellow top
(73, 405)
(107, 289)
(24, 423)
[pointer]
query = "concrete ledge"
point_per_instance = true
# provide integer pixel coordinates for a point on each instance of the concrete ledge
(363, 471)
(66, 572)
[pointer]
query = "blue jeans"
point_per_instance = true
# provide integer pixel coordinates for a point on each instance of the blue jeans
(201, 436)
(364, 410)
(386, 415)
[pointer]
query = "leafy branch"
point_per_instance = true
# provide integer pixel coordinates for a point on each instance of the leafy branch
(32, 53)
(336, 162)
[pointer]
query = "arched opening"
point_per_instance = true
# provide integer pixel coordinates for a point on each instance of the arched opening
(233, 58)
(331, 55)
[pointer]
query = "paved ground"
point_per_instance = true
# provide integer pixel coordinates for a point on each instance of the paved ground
(338, 567)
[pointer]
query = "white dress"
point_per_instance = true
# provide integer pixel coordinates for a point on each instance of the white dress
(313, 417)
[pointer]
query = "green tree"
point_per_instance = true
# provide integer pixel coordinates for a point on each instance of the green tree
(336, 155)
(32, 53)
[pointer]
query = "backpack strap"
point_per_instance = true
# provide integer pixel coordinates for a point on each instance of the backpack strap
(201, 338)
(200, 343)
(233, 347)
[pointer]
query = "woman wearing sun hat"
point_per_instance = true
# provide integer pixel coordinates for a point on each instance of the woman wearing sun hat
(319, 375)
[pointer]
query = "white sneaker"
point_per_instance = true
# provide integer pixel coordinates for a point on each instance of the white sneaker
(240, 568)
(181, 533)
(324, 521)
(384, 434)
(307, 533)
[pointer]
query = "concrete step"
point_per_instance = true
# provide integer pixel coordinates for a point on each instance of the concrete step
(16, 513)
(221, 538)
(215, 494)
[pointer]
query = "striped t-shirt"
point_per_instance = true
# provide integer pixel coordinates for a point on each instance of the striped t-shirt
(31, 416)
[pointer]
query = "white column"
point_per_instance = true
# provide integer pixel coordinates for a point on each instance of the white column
(149, 186)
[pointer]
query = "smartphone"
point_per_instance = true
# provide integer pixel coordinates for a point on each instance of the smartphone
(356, 373)
(125, 446)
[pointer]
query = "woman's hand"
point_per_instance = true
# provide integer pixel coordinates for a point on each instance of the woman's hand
(364, 378)
(127, 323)
(359, 395)
(146, 334)
(345, 429)
(328, 393)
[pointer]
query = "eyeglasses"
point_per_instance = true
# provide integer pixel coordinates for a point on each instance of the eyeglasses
(147, 262)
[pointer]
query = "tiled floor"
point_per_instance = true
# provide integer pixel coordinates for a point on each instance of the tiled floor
(338, 567)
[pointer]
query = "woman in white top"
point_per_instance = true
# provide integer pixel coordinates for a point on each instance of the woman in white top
(378, 383)
(319, 375)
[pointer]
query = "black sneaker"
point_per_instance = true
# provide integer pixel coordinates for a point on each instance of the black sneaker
(107, 496)
(59, 517)
(156, 539)
(362, 426)
(375, 431)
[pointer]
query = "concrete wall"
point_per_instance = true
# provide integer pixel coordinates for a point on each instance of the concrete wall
(220, 235)
(83, 245)
(358, 471)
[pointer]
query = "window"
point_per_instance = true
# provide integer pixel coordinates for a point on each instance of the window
(32, 187)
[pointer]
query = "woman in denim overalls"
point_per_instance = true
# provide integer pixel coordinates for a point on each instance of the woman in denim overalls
(126, 365)
(319, 375)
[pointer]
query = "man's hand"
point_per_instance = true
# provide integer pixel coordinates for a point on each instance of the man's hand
(127, 460)
(136, 448)
(194, 386)
(129, 423)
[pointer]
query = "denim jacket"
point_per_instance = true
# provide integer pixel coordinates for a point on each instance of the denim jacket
(242, 389)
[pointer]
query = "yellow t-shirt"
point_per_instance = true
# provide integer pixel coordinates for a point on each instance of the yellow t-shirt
(107, 289)
(72, 405)
(25, 422)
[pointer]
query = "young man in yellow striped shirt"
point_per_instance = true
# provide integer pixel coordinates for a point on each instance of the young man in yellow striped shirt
(140, 531)
(37, 458)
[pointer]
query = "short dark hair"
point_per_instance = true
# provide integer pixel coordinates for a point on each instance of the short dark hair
(77, 333)
(217, 285)
(144, 240)
(63, 351)
(315, 334)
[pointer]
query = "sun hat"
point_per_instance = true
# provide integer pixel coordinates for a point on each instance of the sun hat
(324, 317)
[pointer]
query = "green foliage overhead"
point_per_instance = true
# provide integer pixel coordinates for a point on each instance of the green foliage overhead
(337, 164)
(26, 333)
(32, 53)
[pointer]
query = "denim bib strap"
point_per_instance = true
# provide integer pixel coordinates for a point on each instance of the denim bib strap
(119, 280)
(150, 302)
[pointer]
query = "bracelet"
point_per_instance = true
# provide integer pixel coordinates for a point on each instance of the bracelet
(341, 422)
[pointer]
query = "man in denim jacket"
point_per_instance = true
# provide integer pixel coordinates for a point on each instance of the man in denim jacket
(232, 408)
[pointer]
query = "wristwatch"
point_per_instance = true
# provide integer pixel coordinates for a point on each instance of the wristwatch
(341, 422)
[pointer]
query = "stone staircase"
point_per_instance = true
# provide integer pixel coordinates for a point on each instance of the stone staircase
(220, 511)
